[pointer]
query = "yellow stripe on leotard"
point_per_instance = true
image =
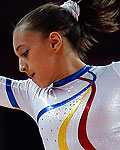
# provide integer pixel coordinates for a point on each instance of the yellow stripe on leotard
(62, 132)
(17, 108)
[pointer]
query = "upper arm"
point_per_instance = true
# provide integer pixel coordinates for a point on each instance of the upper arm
(15, 94)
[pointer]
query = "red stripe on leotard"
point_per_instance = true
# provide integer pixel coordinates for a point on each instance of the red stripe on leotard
(82, 133)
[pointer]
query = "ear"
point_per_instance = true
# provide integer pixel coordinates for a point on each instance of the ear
(55, 41)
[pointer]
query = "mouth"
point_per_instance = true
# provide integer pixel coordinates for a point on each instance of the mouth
(32, 75)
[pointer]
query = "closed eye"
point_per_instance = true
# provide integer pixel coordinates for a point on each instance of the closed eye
(25, 54)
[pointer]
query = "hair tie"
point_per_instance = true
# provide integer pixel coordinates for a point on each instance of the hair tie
(72, 7)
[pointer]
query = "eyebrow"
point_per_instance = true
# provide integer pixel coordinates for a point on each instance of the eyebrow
(17, 49)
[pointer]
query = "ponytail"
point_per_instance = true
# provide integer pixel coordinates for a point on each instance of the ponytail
(97, 15)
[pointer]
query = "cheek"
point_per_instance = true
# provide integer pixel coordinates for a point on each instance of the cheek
(39, 62)
(40, 59)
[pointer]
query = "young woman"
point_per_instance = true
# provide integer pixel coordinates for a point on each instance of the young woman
(76, 106)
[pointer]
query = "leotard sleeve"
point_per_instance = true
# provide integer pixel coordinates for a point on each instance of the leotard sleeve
(17, 94)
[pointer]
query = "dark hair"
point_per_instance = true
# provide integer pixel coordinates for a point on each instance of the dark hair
(94, 15)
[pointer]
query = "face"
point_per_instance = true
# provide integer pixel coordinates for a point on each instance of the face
(36, 56)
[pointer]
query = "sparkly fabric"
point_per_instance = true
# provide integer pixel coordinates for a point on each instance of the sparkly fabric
(89, 120)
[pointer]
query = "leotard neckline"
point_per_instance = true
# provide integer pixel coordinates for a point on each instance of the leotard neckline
(72, 77)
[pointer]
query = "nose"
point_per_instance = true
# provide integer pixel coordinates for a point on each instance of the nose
(22, 66)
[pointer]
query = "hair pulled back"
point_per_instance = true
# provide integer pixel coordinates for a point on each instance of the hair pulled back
(94, 15)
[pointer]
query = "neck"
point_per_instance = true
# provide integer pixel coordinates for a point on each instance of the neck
(68, 65)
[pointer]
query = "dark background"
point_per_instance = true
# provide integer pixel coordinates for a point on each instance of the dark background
(17, 130)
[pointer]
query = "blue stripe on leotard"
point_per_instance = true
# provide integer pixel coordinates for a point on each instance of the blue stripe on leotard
(10, 94)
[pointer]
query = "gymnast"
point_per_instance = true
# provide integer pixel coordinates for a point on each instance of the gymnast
(76, 106)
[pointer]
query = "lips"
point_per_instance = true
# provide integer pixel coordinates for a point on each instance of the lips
(32, 75)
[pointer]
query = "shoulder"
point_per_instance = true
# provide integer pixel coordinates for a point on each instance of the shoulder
(116, 67)
(24, 85)
(113, 67)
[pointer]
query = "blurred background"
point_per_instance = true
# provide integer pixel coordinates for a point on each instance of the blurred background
(17, 130)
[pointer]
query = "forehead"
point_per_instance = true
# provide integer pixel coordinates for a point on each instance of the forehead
(21, 37)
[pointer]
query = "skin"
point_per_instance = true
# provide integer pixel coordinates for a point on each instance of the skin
(45, 60)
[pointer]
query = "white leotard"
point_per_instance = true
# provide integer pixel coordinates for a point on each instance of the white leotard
(80, 112)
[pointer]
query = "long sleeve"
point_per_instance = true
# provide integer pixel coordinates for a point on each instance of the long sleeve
(17, 94)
